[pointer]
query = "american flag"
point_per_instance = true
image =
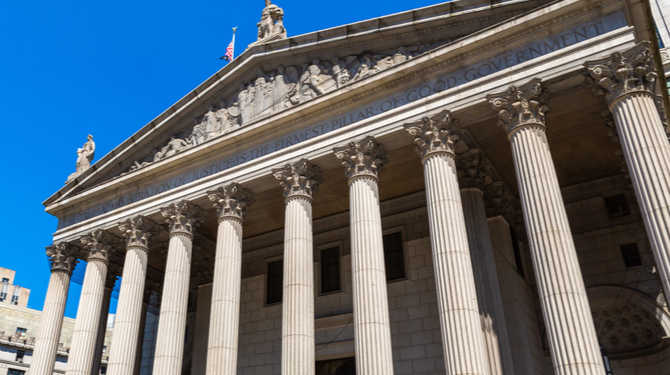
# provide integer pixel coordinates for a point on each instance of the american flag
(231, 49)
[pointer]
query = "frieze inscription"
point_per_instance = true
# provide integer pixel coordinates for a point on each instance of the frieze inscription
(514, 57)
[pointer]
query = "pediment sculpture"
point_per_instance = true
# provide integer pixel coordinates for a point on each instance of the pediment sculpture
(85, 155)
(271, 26)
(281, 89)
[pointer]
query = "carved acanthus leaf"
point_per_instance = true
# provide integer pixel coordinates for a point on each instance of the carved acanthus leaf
(498, 201)
(63, 256)
(624, 72)
(435, 136)
(300, 178)
(182, 217)
(99, 244)
(138, 231)
(232, 201)
(520, 106)
(473, 170)
(366, 157)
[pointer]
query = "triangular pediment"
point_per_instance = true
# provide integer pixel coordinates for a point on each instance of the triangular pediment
(268, 79)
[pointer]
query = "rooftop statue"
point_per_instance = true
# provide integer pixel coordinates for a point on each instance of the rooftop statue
(271, 26)
(85, 155)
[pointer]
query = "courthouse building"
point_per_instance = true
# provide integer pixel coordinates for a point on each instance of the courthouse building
(474, 187)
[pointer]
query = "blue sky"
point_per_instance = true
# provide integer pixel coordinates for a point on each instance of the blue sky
(68, 69)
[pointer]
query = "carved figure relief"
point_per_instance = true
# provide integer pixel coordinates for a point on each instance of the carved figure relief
(85, 155)
(277, 91)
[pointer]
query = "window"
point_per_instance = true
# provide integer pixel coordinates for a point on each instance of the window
(394, 257)
(19, 355)
(617, 206)
(5, 280)
(15, 372)
(631, 256)
(330, 270)
(275, 282)
(341, 366)
(3, 296)
(15, 300)
(606, 361)
(21, 332)
(104, 349)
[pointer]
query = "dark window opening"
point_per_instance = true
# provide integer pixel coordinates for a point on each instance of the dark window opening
(342, 366)
(517, 253)
(5, 280)
(3, 297)
(330, 270)
(19, 355)
(15, 372)
(15, 300)
(394, 257)
(631, 255)
(21, 332)
(617, 206)
(275, 282)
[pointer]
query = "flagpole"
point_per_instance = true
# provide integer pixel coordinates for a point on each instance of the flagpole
(233, 57)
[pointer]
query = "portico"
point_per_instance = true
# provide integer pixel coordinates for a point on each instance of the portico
(434, 140)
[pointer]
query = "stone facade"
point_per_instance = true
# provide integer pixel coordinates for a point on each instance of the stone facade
(483, 223)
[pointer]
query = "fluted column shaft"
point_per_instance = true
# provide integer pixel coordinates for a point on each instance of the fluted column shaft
(231, 203)
(51, 323)
(567, 315)
(299, 180)
(82, 349)
(102, 329)
(127, 325)
(372, 331)
(628, 82)
(494, 326)
(298, 291)
(225, 316)
(140, 340)
(462, 339)
(647, 152)
(172, 319)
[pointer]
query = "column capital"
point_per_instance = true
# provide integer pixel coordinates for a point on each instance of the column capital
(498, 201)
(232, 200)
(138, 231)
(63, 256)
(433, 137)
(624, 72)
(299, 179)
(521, 106)
(361, 158)
(99, 244)
(182, 217)
(473, 170)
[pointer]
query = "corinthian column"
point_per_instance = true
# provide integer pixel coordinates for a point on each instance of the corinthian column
(462, 339)
(372, 333)
(627, 81)
(565, 306)
(98, 245)
(299, 181)
(182, 218)
(473, 173)
(231, 204)
(62, 257)
(137, 231)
